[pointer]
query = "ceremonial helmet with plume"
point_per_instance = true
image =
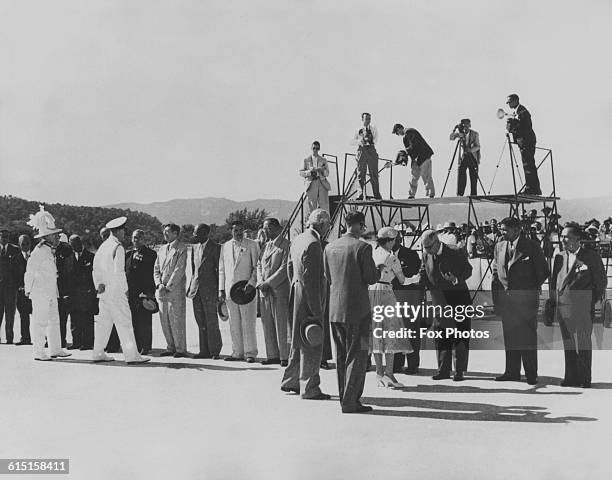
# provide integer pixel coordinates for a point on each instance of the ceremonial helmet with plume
(44, 222)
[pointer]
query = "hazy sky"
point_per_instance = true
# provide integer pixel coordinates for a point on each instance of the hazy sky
(146, 100)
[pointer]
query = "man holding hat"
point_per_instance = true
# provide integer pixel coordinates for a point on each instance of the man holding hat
(305, 269)
(238, 277)
(111, 285)
(40, 284)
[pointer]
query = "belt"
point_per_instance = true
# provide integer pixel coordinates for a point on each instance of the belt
(385, 283)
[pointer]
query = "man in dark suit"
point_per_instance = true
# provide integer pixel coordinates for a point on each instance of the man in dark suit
(203, 290)
(139, 263)
(444, 271)
(519, 269)
(63, 261)
(82, 297)
(350, 268)
(420, 153)
(24, 304)
(521, 129)
(8, 283)
(577, 282)
(413, 295)
(307, 302)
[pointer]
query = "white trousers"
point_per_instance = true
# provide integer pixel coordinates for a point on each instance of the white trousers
(114, 310)
(45, 325)
(242, 320)
(424, 172)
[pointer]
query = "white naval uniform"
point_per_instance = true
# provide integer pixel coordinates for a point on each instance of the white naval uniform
(40, 283)
(109, 269)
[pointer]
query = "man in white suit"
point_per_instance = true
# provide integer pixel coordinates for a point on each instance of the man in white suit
(111, 284)
(273, 284)
(170, 284)
(315, 172)
(238, 261)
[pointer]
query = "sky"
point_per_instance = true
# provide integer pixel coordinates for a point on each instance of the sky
(114, 101)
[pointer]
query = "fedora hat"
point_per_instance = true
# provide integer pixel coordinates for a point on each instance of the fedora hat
(240, 295)
(149, 303)
(222, 311)
(311, 332)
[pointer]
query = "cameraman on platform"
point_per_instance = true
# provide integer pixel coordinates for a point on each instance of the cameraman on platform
(470, 157)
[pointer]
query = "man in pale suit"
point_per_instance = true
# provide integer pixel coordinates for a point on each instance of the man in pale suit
(470, 158)
(273, 285)
(315, 172)
(238, 261)
(203, 290)
(305, 268)
(350, 268)
(170, 283)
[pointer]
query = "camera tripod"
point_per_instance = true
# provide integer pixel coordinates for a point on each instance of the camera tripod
(458, 154)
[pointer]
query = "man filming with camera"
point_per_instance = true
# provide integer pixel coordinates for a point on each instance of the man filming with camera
(470, 156)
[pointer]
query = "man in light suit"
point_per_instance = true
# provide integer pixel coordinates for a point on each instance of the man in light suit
(577, 282)
(170, 283)
(305, 268)
(238, 261)
(203, 290)
(470, 158)
(519, 269)
(273, 285)
(350, 268)
(315, 171)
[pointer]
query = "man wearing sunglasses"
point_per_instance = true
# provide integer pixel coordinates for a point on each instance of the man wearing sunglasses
(315, 172)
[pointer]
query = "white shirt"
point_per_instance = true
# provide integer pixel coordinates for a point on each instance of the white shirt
(571, 258)
(358, 136)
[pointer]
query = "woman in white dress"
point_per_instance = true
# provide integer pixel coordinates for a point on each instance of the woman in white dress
(381, 294)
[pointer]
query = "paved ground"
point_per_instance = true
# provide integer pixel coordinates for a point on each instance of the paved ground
(204, 419)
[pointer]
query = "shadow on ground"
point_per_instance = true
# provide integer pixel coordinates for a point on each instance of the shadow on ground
(170, 365)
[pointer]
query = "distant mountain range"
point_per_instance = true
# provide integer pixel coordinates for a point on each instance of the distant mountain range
(215, 210)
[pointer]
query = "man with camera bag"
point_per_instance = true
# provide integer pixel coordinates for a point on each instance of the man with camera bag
(470, 157)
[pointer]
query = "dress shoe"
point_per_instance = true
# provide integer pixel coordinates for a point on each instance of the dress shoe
(23, 342)
(318, 396)
(74, 347)
(410, 370)
(324, 365)
(144, 352)
(441, 376)
(506, 377)
(61, 355)
(9, 342)
(290, 390)
(201, 355)
(284, 363)
(250, 360)
(357, 409)
(270, 361)
(105, 358)
(532, 381)
(215, 357)
(360, 197)
(139, 361)
(458, 377)
(43, 358)
(179, 355)
(233, 359)
(167, 353)
(86, 347)
(586, 384)
(569, 383)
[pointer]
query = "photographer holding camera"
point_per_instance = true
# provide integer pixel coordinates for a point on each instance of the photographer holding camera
(470, 157)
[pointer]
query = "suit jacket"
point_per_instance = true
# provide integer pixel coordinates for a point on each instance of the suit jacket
(169, 269)
(205, 270)
(272, 266)
(443, 292)
(243, 267)
(24, 304)
(526, 270)
(305, 172)
(8, 277)
(139, 270)
(416, 146)
(576, 286)
(521, 128)
(63, 260)
(306, 272)
(82, 291)
(349, 269)
(473, 144)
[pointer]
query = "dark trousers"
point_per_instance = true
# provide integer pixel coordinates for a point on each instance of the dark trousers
(327, 349)
(412, 359)
(367, 159)
(532, 182)
(446, 346)
(519, 324)
(82, 329)
(142, 323)
(578, 349)
(205, 312)
(25, 326)
(468, 162)
(352, 357)
(8, 301)
(113, 345)
(62, 306)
